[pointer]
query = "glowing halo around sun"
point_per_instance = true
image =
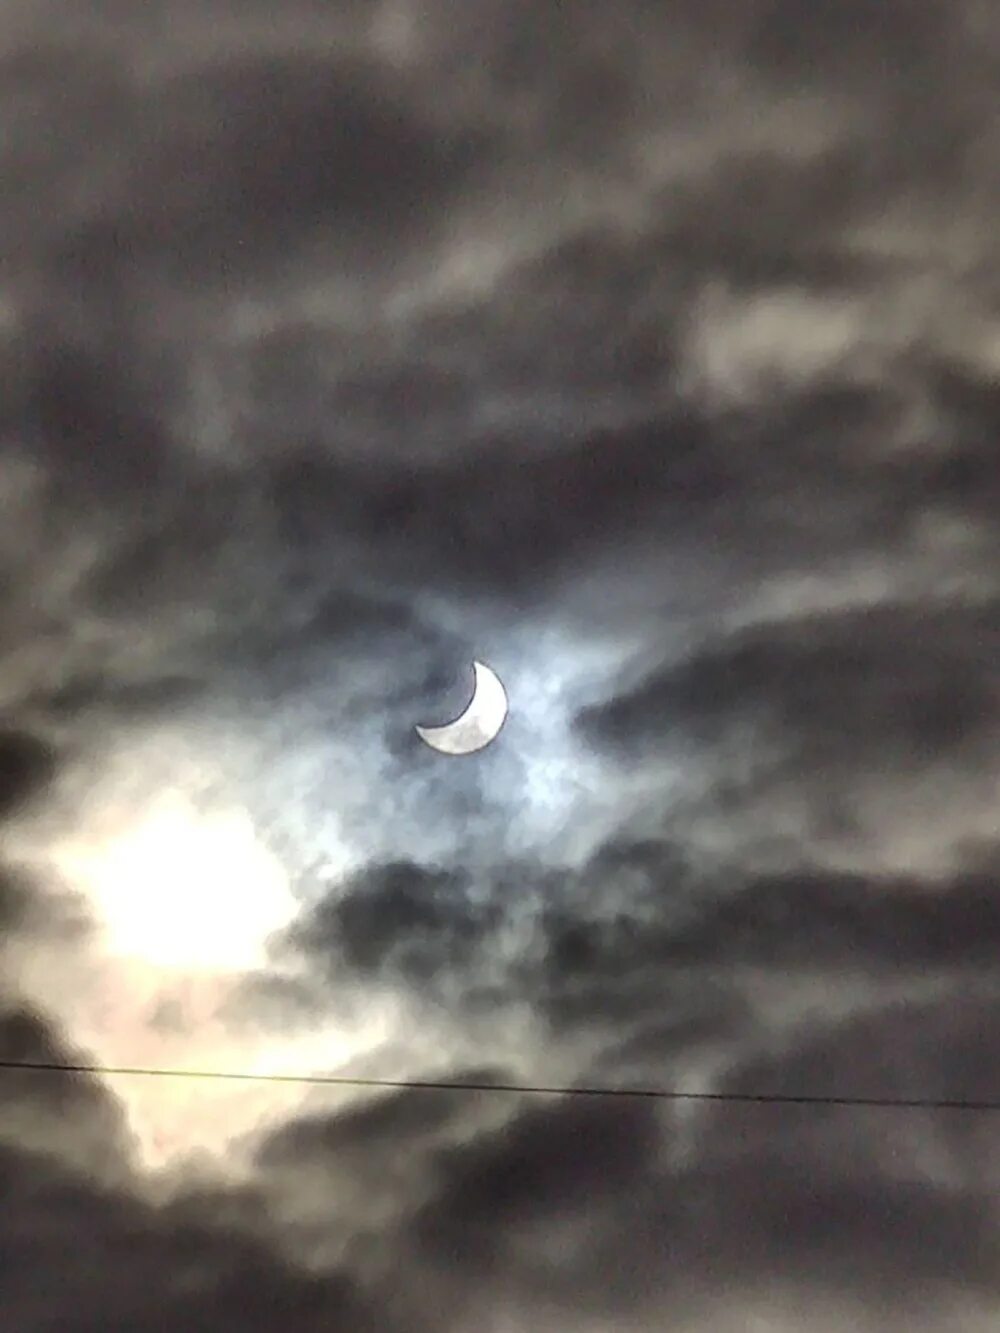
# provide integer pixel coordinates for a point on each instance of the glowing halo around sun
(176, 887)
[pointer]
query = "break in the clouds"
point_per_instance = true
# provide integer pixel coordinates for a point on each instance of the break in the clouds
(649, 354)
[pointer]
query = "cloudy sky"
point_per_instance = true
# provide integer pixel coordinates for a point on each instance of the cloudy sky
(648, 352)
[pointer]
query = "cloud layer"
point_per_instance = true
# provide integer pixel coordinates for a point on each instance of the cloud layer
(650, 355)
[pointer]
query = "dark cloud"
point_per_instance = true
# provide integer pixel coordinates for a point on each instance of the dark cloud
(88, 693)
(816, 919)
(570, 1155)
(516, 520)
(15, 902)
(964, 476)
(33, 910)
(73, 1206)
(842, 33)
(892, 686)
(32, 907)
(401, 920)
(661, 973)
(778, 1205)
(100, 1142)
(27, 764)
(917, 1049)
(230, 167)
(151, 1268)
(84, 407)
(321, 1141)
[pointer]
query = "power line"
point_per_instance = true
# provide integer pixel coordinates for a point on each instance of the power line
(665, 1094)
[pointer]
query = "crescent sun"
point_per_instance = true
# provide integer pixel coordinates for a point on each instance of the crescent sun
(478, 725)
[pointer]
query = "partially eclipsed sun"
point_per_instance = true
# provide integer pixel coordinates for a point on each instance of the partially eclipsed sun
(479, 724)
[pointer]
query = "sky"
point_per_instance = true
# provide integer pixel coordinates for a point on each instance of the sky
(648, 353)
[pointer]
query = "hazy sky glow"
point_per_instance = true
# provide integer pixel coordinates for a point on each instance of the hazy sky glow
(649, 354)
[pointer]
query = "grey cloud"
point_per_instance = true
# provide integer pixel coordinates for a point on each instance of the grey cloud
(15, 902)
(149, 1268)
(923, 1050)
(515, 519)
(645, 950)
(405, 457)
(94, 693)
(890, 686)
(828, 920)
(264, 1002)
(73, 1206)
(410, 1115)
(964, 475)
(86, 410)
(226, 168)
(412, 924)
(422, 925)
(759, 1193)
(33, 910)
(36, 1106)
(884, 54)
(27, 764)
(569, 1154)
(647, 1238)
(626, 973)
(786, 1210)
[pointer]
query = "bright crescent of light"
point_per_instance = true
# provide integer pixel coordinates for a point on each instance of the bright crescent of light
(480, 722)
